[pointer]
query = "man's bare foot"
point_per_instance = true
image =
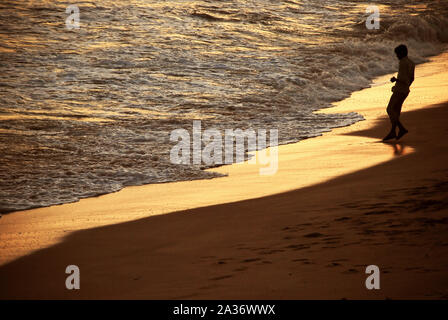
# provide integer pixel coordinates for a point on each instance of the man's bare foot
(401, 133)
(391, 135)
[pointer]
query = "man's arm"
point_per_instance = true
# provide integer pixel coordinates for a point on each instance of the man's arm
(393, 79)
(411, 78)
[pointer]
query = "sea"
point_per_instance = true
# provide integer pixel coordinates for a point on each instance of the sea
(87, 105)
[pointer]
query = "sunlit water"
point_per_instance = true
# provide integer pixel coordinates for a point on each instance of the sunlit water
(89, 111)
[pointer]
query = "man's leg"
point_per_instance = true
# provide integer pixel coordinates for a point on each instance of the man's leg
(393, 116)
(400, 102)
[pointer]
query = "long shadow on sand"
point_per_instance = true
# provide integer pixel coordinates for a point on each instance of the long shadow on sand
(267, 247)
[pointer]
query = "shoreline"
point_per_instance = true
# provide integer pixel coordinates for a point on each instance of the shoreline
(375, 81)
(80, 209)
(340, 153)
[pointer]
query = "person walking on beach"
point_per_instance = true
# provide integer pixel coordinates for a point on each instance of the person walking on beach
(400, 92)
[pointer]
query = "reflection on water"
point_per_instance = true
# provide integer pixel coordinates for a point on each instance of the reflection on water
(400, 148)
(90, 111)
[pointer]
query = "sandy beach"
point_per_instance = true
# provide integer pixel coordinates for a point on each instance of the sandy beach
(338, 203)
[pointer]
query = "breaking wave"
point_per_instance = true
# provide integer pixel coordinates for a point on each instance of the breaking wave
(88, 112)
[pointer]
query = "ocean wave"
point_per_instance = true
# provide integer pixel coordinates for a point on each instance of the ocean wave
(89, 112)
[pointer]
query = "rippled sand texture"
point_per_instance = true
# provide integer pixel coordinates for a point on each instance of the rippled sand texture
(87, 112)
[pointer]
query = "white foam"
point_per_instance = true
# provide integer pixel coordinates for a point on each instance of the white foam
(82, 114)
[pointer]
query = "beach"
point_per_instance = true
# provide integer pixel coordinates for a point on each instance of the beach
(89, 111)
(338, 203)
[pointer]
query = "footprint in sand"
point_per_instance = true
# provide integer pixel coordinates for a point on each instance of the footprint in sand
(350, 271)
(313, 235)
(299, 260)
(342, 219)
(222, 277)
(333, 264)
(250, 260)
(375, 212)
(241, 269)
(296, 247)
(268, 252)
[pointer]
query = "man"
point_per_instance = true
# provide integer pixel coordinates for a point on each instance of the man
(400, 92)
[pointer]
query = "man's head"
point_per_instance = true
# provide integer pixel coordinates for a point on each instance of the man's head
(401, 51)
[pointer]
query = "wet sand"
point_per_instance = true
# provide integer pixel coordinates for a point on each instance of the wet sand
(338, 203)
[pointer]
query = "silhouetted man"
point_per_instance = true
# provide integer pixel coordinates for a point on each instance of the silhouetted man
(400, 92)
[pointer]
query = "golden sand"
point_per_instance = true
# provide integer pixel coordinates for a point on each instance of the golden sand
(317, 162)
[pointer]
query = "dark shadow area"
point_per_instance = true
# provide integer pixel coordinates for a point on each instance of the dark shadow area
(277, 247)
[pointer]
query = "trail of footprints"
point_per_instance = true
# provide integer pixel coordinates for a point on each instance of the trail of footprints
(392, 219)
(300, 242)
